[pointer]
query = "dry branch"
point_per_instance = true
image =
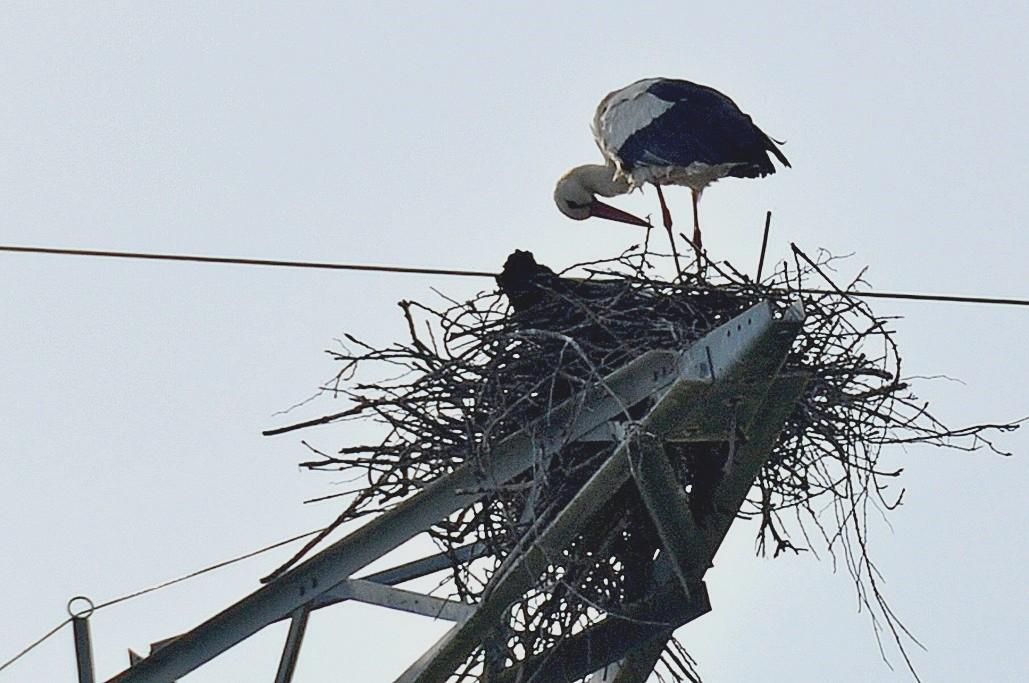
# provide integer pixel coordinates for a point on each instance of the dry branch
(472, 373)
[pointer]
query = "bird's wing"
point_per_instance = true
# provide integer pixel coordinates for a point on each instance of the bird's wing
(686, 123)
(623, 112)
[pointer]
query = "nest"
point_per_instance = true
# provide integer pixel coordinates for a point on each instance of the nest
(474, 372)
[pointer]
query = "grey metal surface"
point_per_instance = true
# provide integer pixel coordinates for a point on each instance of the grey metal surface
(406, 572)
(609, 431)
(750, 456)
(83, 648)
(711, 356)
(571, 419)
(426, 565)
(614, 639)
(747, 350)
(636, 667)
(741, 386)
(291, 650)
(434, 651)
(404, 600)
(669, 509)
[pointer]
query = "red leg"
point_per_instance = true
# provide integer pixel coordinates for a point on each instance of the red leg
(666, 217)
(696, 220)
(697, 244)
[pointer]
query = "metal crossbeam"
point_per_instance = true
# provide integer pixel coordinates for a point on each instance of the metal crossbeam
(404, 572)
(403, 600)
(424, 566)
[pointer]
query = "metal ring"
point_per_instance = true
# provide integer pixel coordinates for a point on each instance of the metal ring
(84, 614)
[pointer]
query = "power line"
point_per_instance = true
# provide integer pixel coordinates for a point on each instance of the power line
(943, 298)
(218, 565)
(209, 568)
(36, 643)
(911, 296)
(245, 261)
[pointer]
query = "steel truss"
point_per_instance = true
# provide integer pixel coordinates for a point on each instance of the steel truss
(727, 386)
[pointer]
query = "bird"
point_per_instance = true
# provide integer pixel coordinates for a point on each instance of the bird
(665, 131)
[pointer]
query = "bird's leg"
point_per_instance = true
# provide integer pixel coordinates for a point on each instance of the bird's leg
(696, 220)
(697, 244)
(666, 217)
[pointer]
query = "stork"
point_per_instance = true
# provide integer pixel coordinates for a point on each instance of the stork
(665, 131)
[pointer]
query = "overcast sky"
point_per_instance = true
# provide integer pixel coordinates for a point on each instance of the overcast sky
(132, 394)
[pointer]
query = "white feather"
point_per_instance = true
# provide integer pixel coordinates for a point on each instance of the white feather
(622, 113)
(696, 176)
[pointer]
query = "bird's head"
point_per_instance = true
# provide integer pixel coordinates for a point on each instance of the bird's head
(577, 190)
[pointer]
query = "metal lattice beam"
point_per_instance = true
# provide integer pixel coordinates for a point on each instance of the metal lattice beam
(575, 417)
(669, 509)
(374, 593)
(737, 359)
(291, 650)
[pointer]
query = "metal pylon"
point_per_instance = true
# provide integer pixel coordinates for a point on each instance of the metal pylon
(725, 386)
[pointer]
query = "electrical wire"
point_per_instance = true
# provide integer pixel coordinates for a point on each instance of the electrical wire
(218, 565)
(209, 568)
(912, 296)
(244, 261)
(36, 643)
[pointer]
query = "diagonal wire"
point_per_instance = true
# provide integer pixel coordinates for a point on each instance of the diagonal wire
(218, 565)
(210, 568)
(36, 643)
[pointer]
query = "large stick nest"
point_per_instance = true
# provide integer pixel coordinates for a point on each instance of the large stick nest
(474, 372)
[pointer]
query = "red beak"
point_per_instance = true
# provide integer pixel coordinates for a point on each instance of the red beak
(602, 210)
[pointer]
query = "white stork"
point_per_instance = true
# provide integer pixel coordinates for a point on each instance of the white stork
(665, 131)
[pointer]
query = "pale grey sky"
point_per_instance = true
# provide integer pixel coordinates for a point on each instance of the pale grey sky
(132, 394)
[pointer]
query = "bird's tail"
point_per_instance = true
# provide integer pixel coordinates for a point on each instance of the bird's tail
(773, 147)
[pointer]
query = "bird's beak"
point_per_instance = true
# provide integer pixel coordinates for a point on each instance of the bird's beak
(602, 210)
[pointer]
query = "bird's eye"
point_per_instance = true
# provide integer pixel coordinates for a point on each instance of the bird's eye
(575, 205)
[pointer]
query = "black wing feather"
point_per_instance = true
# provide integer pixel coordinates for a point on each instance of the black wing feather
(702, 125)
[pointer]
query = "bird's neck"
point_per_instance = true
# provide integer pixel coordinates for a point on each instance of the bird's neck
(600, 179)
